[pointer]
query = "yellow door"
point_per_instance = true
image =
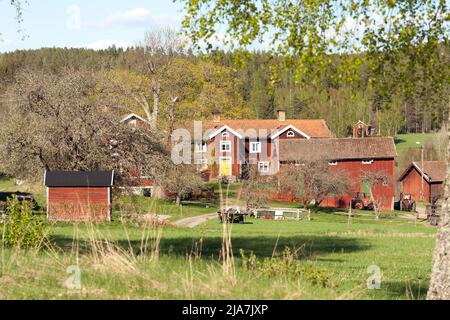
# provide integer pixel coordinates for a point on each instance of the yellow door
(225, 166)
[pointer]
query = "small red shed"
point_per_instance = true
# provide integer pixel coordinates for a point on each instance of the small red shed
(433, 173)
(79, 195)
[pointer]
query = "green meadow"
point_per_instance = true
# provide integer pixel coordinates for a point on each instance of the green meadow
(328, 257)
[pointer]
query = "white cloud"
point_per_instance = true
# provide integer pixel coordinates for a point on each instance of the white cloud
(106, 43)
(121, 18)
(137, 17)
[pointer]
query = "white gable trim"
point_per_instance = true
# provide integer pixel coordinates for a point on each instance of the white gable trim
(289, 127)
(131, 115)
(225, 127)
(425, 176)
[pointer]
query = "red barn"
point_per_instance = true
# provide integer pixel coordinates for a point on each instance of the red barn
(79, 196)
(353, 157)
(433, 174)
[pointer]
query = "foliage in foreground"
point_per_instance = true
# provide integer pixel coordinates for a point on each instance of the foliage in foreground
(21, 228)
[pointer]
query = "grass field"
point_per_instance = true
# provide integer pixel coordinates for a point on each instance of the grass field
(404, 142)
(328, 258)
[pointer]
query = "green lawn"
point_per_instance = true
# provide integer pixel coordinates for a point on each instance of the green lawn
(331, 261)
(143, 205)
(408, 141)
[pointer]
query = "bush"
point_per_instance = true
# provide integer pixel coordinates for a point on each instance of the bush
(286, 266)
(20, 227)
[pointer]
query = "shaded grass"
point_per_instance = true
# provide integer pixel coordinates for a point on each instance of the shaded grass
(189, 265)
(7, 184)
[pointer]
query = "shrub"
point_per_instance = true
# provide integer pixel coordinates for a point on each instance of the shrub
(287, 265)
(20, 227)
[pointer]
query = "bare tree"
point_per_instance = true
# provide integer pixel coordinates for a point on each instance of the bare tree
(153, 80)
(373, 179)
(313, 181)
(256, 188)
(57, 122)
(160, 47)
(179, 180)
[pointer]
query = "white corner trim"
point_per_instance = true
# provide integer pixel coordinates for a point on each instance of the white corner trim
(289, 127)
(225, 127)
(421, 172)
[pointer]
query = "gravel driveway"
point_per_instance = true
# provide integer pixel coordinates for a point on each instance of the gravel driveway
(192, 222)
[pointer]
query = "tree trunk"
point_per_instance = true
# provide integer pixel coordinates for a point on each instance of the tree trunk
(155, 90)
(440, 275)
(171, 119)
(376, 208)
(178, 201)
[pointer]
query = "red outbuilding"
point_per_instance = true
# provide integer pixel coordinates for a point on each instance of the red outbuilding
(78, 195)
(430, 178)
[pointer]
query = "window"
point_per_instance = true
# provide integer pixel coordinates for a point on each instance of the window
(290, 134)
(200, 146)
(202, 164)
(225, 146)
(255, 147)
(333, 163)
(225, 134)
(367, 161)
(263, 166)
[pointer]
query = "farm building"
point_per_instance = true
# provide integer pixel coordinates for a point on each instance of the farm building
(353, 156)
(226, 147)
(78, 195)
(134, 120)
(431, 177)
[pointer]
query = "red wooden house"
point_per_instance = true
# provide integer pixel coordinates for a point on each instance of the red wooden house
(353, 156)
(430, 176)
(226, 147)
(79, 196)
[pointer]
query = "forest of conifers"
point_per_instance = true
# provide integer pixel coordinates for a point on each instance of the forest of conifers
(415, 101)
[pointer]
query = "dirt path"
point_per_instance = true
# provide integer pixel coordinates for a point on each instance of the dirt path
(192, 222)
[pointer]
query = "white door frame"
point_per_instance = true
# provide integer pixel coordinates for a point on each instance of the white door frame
(220, 164)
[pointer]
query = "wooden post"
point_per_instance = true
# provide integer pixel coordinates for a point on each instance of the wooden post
(298, 214)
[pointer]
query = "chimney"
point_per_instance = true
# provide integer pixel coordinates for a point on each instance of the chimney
(216, 116)
(281, 115)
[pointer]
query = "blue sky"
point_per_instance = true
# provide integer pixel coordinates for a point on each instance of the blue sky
(82, 23)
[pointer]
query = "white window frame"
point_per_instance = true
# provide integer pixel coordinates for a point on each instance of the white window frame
(258, 148)
(290, 134)
(263, 163)
(367, 161)
(225, 143)
(333, 163)
(200, 147)
(225, 134)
